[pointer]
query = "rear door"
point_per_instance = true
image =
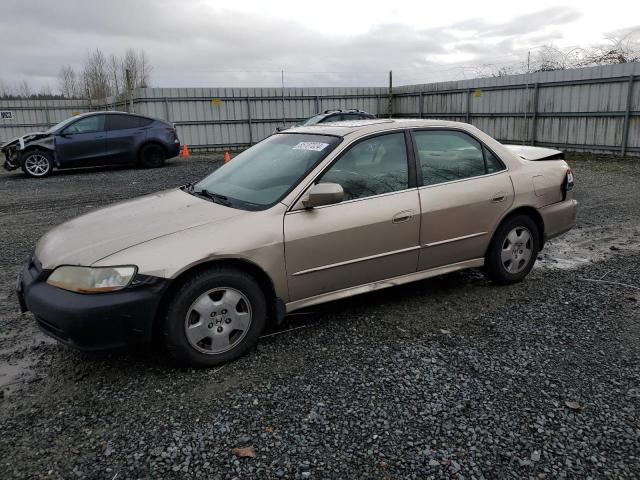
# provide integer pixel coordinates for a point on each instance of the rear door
(83, 143)
(124, 134)
(372, 235)
(465, 192)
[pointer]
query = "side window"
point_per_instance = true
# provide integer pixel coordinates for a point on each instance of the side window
(493, 164)
(122, 122)
(94, 123)
(447, 155)
(371, 167)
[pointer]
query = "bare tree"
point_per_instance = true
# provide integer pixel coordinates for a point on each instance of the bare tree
(115, 74)
(138, 65)
(618, 49)
(145, 69)
(95, 77)
(5, 90)
(550, 58)
(68, 82)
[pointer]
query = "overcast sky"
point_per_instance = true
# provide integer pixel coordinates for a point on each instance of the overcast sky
(247, 43)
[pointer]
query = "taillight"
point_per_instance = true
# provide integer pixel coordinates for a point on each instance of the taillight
(569, 179)
(567, 185)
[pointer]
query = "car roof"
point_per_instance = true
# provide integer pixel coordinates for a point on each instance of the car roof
(111, 112)
(349, 127)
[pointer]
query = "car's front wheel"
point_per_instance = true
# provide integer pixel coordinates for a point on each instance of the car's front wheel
(37, 164)
(214, 317)
(513, 250)
(152, 156)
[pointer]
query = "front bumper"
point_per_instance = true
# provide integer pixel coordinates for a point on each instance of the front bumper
(91, 322)
(11, 161)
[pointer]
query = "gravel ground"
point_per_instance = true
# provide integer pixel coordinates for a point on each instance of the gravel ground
(449, 377)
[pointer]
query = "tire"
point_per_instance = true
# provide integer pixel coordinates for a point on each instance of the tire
(37, 163)
(513, 250)
(152, 156)
(214, 317)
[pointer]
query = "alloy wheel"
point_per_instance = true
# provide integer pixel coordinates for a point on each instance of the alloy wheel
(37, 165)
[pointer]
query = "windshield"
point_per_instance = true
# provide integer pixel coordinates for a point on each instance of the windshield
(60, 125)
(266, 172)
(313, 120)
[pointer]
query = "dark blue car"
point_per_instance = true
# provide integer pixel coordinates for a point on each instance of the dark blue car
(92, 139)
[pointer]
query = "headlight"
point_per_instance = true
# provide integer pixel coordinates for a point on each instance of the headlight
(92, 279)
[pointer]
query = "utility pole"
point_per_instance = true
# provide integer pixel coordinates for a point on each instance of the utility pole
(127, 74)
(284, 115)
(390, 106)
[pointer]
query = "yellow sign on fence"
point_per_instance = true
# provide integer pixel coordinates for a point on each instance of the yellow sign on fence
(477, 93)
(216, 102)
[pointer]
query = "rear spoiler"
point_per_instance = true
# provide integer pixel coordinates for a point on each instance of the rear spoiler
(536, 153)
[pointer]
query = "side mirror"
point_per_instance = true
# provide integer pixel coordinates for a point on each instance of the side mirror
(323, 194)
(64, 134)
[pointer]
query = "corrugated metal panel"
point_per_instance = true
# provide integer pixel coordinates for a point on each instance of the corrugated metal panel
(574, 107)
(584, 109)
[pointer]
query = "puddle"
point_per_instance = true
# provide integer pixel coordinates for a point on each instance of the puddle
(18, 359)
(14, 373)
(582, 246)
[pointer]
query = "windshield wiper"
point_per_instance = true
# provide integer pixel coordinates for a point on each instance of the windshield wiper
(214, 197)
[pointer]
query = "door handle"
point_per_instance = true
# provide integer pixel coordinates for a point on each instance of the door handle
(403, 216)
(499, 197)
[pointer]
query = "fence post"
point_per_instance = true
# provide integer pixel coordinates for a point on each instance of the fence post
(249, 120)
(166, 109)
(317, 104)
(627, 117)
(534, 115)
(468, 105)
(421, 109)
(390, 105)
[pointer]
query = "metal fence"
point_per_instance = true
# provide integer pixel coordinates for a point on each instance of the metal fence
(589, 109)
(206, 118)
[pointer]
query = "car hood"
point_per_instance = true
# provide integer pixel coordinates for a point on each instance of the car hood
(91, 237)
(27, 137)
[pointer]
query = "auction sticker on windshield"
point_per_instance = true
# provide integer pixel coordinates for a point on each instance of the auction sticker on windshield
(315, 146)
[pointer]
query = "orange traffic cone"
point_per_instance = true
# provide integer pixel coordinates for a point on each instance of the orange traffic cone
(226, 156)
(185, 150)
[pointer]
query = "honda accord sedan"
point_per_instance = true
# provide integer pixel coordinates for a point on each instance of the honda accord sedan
(307, 216)
(92, 139)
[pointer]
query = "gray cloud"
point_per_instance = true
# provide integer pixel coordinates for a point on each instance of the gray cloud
(191, 45)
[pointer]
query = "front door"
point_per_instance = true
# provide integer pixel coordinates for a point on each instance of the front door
(83, 143)
(371, 236)
(465, 192)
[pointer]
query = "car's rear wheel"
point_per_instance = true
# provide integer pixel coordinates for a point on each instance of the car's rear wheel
(513, 250)
(214, 317)
(152, 156)
(37, 164)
